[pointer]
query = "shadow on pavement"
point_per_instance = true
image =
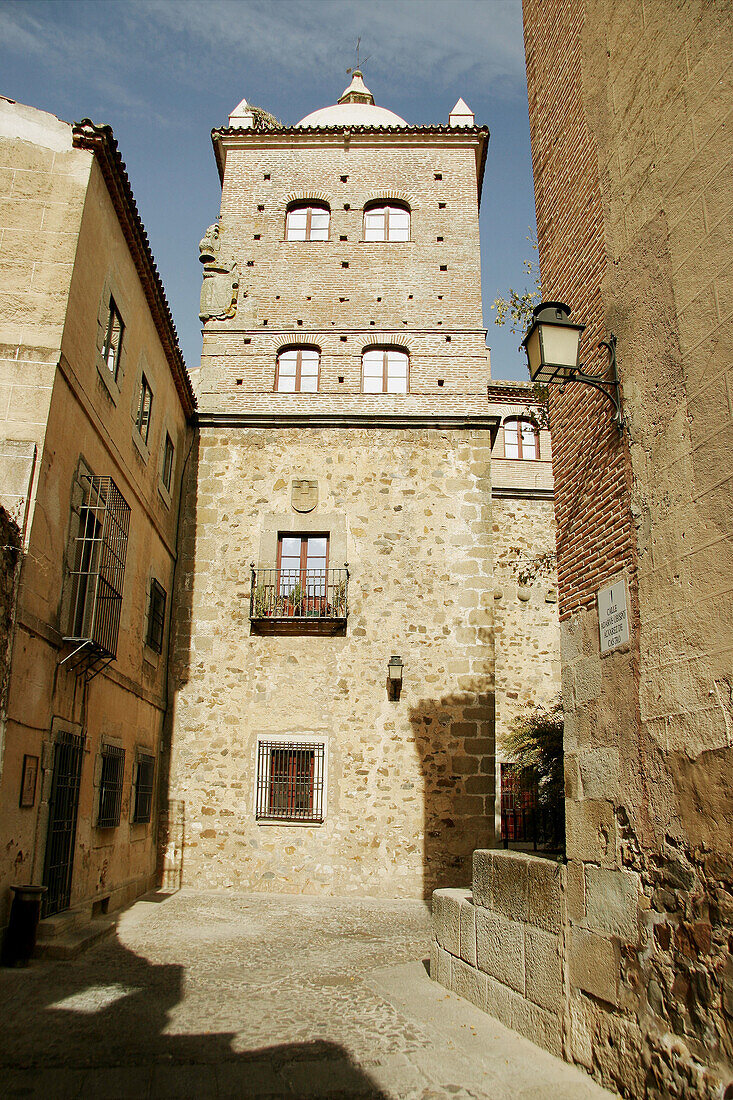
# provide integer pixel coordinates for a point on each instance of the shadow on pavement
(97, 1026)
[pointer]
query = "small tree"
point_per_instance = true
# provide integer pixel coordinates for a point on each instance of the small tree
(535, 742)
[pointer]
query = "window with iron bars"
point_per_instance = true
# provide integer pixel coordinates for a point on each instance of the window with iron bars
(144, 788)
(110, 787)
(290, 781)
(156, 616)
(99, 565)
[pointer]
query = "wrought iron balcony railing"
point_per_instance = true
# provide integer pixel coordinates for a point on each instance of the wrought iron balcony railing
(304, 596)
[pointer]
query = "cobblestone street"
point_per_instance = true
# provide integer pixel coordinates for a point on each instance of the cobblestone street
(213, 995)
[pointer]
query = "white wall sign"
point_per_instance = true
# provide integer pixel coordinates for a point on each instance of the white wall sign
(613, 616)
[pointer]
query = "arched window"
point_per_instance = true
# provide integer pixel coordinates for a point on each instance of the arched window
(384, 370)
(386, 222)
(297, 370)
(521, 438)
(307, 222)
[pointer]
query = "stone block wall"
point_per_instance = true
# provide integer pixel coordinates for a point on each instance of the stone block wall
(501, 945)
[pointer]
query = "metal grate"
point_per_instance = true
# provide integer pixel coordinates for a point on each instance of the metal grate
(144, 787)
(63, 807)
(99, 565)
(290, 781)
(110, 787)
(299, 594)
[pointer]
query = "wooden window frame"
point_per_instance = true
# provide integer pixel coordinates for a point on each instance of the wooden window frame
(303, 536)
(309, 208)
(386, 208)
(156, 615)
(141, 420)
(385, 370)
(298, 364)
(107, 346)
(169, 452)
(144, 789)
(521, 457)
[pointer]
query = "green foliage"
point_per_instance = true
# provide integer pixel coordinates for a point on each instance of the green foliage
(535, 742)
(517, 307)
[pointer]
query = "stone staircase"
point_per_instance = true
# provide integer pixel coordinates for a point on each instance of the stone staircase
(66, 935)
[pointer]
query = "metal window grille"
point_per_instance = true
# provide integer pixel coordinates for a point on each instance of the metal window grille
(144, 787)
(63, 807)
(290, 781)
(156, 617)
(110, 787)
(99, 565)
(112, 348)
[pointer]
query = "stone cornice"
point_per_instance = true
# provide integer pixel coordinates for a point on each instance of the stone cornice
(100, 141)
(232, 137)
(349, 420)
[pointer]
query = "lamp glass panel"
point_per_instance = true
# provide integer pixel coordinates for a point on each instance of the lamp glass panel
(560, 345)
(533, 351)
(395, 671)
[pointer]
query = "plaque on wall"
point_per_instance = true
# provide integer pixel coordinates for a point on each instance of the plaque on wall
(28, 782)
(613, 615)
(304, 495)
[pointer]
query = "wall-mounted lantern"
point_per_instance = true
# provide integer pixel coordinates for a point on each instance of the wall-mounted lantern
(394, 677)
(552, 345)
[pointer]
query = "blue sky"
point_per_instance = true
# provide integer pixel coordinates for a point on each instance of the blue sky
(163, 72)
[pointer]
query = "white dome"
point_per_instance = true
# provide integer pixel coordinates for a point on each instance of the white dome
(354, 108)
(352, 114)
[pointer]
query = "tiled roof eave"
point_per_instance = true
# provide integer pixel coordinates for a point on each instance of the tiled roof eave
(100, 141)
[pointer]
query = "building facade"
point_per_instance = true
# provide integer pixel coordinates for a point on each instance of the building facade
(96, 401)
(338, 515)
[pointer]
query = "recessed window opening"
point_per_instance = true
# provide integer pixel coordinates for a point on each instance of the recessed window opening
(438, 175)
(144, 788)
(290, 781)
(156, 616)
(384, 370)
(307, 222)
(112, 347)
(110, 787)
(386, 222)
(144, 408)
(168, 453)
(297, 370)
(521, 438)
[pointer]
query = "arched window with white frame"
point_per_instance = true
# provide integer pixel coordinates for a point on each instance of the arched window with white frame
(385, 221)
(385, 370)
(297, 370)
(521, 438)
(307, 221)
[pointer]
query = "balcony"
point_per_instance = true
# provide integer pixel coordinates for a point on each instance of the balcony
(299, 601)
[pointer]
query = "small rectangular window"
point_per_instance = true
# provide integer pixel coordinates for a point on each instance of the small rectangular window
(112, 347)
(144, 788)
(156, 616)
(145, 404)
(110, 787)
(168, 462)
(290, 781)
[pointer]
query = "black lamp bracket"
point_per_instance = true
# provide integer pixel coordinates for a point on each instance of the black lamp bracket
(607, 386)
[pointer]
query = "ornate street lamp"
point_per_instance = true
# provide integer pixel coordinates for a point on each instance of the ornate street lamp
(394, 677)
(552, 345)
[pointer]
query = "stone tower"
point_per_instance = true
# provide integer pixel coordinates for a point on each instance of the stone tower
(337, 530)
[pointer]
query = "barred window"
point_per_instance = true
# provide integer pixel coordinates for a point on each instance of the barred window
(521, 438)
(156, 616)
(110, 787)
(144, 407)
(290, 781)
(307, 223)
(112, 347)
(144, 788)
(99, 565)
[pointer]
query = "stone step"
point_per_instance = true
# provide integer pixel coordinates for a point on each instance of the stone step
(75, 938)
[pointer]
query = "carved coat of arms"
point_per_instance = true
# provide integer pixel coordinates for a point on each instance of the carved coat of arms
(304, 495)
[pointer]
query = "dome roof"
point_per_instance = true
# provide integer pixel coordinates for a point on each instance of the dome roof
(355, 108)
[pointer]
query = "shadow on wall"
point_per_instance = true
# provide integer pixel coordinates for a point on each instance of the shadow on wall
(99, 1026)
(171, 814)
(455, 739)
